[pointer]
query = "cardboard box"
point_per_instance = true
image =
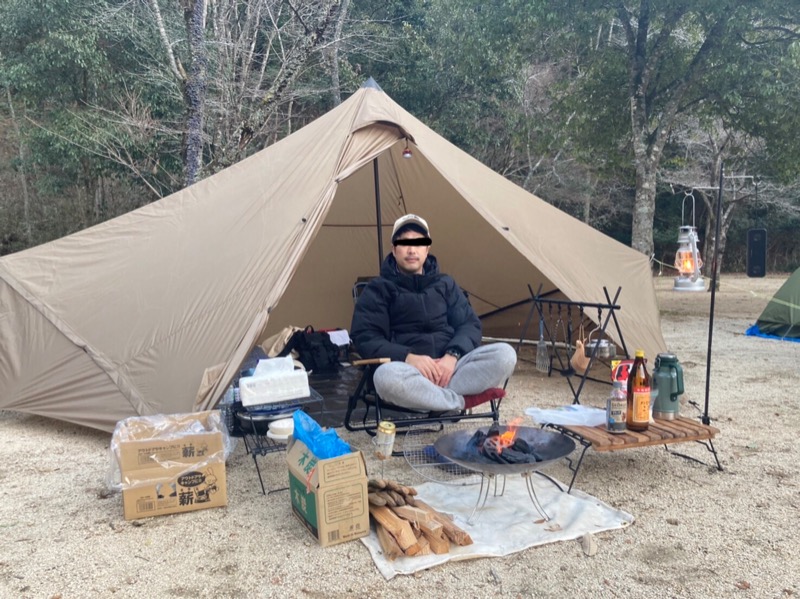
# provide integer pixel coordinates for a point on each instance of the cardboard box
(171, 464)
(329, 496)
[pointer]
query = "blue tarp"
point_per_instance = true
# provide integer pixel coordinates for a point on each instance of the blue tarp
(754, 331)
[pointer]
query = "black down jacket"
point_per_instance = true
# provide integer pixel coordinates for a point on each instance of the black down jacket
(427, 314)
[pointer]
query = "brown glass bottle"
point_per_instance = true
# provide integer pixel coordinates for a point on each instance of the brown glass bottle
(638, 395)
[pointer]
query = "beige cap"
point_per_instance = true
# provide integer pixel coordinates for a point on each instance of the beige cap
(412, 221)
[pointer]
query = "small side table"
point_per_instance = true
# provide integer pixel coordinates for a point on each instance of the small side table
(660, 432)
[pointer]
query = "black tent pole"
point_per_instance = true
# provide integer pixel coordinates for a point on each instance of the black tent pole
(378, 211)
(714, 271)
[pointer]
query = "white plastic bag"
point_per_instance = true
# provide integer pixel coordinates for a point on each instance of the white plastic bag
(575, 414)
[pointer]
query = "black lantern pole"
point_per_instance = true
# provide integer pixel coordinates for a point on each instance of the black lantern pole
(714, 272)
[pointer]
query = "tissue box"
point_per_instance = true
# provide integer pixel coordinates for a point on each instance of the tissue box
(256, 391)
(274, 380)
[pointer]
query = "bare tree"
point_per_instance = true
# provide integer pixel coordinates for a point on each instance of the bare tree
(26, 200)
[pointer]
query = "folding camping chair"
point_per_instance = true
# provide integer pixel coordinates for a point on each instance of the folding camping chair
(365, 408)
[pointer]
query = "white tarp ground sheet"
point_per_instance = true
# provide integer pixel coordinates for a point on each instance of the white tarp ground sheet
(571, 516)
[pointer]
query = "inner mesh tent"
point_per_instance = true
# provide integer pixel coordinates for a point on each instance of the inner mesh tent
(154, 311)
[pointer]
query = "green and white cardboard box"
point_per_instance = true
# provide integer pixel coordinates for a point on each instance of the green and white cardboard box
(329, 496)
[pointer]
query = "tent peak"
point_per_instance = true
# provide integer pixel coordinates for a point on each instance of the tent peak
(371, 83)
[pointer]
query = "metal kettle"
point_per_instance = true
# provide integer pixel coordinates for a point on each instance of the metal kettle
(668, 380)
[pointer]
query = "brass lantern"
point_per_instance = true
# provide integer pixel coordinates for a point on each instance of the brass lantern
(688, 262)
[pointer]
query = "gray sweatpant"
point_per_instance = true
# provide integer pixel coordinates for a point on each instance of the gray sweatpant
(484, 367)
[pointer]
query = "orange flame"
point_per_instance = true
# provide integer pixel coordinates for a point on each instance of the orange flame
(507, 438)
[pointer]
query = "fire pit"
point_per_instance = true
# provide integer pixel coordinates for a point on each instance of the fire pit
(503, 450)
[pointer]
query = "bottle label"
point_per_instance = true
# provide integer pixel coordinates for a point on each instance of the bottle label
(616, 414)
(641, 405)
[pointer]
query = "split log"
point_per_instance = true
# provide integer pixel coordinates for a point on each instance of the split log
(425, 546)
(454, 533)
(400, 529)
(438, 543)
(413, 514)
(389, 546)
(432, 527)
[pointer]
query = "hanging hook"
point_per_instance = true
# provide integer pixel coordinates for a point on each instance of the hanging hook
(686, 196)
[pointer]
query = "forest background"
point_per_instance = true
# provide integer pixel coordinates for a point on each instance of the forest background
(619, 112)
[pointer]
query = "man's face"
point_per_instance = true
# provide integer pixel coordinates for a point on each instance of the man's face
(410, 258)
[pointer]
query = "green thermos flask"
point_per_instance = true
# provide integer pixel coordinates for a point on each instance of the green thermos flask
(668, 379)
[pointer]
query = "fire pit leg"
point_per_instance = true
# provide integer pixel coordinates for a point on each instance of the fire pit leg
(486, 483)
(483, 495)
(532, 493)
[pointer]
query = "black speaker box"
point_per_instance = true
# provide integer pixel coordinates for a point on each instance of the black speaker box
(756, 252)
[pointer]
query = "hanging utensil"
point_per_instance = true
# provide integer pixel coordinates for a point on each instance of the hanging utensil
(579, 361)
(563, 358)
(542, 353)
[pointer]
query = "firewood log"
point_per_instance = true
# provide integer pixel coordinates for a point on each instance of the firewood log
(438, 543)
(400, 529)
(412, 514)
(423, 547)
(454, 533)
(391, 550)
(432, 527)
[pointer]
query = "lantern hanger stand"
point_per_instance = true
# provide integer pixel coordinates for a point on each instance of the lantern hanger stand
(705, 418)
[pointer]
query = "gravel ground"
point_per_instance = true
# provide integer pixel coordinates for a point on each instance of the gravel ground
(698, 532)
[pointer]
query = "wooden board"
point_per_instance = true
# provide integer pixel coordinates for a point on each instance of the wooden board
(660, 432)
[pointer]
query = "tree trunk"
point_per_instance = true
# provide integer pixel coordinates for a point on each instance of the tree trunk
(708, 250)
(26, 200)
(336, 90)
(644, 207)
(195, 89)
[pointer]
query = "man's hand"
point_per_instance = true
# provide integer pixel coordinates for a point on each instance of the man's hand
(430, 368)
(447, 364)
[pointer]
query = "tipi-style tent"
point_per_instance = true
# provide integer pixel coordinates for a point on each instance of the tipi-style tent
(781, 317)
(125, 318)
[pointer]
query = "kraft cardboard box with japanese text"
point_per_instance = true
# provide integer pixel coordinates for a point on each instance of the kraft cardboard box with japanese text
(329, 496)
(171, 463)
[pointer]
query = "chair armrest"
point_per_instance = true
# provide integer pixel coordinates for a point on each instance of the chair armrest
(368, 361)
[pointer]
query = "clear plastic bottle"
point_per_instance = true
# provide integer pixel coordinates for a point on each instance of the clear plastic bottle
(617, 409)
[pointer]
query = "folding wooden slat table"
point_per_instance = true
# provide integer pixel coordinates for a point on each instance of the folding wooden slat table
(660, 432)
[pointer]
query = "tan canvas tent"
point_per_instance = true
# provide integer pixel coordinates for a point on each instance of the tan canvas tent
(127, 317)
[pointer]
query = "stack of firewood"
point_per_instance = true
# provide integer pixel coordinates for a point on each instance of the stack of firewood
(406, 525)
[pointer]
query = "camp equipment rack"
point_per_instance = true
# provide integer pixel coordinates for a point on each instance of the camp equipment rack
(251, 425)
(606, 313)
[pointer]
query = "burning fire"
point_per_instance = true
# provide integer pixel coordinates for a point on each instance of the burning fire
(504, 448)
(506, 439)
